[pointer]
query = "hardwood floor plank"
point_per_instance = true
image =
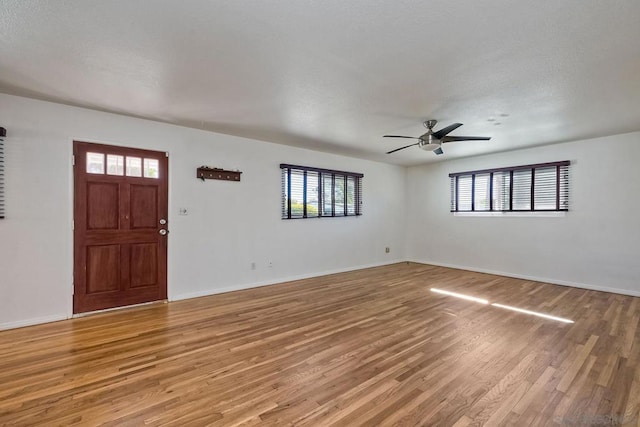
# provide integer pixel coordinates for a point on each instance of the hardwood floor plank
(583, 354)
(507, 405)
(464, 421)
(534, 391)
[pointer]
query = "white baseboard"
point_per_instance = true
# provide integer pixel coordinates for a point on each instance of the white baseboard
(240, 287)
(31, 322)
(580, 285)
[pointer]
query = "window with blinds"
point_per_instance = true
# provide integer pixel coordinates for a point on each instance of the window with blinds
(538, 187)
(2, 134)
(316, 193)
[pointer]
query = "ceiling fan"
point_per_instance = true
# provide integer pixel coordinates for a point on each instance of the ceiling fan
(432, 141)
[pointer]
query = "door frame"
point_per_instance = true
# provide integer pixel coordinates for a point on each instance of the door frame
(72, 208)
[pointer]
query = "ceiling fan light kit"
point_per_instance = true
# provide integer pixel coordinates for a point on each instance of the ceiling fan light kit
(429, 146)
(432, 141)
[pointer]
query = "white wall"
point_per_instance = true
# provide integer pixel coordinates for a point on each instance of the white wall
(229, 224)
(594, 246)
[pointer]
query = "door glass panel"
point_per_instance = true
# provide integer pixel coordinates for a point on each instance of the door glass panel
(95, 163)
(151, 167)
(134, 166)
(115, 164)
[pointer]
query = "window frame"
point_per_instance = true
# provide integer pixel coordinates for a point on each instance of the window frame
(561, 184)
(344, 176)
(2, 174)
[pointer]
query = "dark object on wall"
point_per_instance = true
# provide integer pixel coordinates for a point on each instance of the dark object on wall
(205, 172)
(3, 134)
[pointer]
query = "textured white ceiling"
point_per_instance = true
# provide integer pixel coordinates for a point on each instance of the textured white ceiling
(336, 75)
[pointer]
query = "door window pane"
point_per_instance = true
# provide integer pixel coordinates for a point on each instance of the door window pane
(115, 164)
(151, 168)
(134, 166)
(95, 163)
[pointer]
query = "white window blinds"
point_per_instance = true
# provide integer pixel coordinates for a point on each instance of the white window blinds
(538, 187)
(312, 192)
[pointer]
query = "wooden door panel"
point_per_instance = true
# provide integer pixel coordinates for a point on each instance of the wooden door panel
(144, 206)
(98, 237)
(143, 264)
(103, 268)
(103, 205)
(120, 258)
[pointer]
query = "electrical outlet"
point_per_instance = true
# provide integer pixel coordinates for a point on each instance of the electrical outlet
(269, 264)
(387, 249)
(253, 265)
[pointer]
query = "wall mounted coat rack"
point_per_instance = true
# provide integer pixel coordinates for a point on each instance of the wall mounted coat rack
(205, 172)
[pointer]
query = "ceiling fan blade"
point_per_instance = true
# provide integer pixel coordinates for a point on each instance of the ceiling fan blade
(444, 131)
(402, 148)
(399, 136)
(438, 150)
(465, 138)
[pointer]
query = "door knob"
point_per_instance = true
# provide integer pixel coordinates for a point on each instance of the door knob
(163, 232)
(163, 221)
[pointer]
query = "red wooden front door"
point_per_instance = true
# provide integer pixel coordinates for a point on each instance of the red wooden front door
(120, 226)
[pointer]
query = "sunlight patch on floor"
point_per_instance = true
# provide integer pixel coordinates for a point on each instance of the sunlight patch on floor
(506, 307)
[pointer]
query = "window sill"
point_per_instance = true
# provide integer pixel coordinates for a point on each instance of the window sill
(549, 214)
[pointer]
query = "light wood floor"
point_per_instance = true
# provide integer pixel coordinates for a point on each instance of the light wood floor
(370, 347)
